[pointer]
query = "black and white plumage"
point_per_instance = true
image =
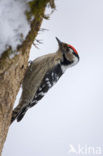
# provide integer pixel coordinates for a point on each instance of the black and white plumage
(51, 77)
(49, 80)
(42, 74)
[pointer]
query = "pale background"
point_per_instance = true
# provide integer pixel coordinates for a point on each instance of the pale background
(72, 111)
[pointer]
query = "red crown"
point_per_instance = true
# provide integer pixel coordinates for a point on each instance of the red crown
(73, 48)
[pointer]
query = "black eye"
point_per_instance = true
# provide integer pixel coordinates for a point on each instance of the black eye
(67, 48)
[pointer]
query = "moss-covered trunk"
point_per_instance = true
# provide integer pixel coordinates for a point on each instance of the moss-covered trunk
(12, 71)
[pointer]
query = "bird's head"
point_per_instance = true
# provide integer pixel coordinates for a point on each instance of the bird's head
(70, 55)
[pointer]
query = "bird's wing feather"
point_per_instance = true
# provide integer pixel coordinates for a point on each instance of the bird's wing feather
(32, 80)
(34, 76)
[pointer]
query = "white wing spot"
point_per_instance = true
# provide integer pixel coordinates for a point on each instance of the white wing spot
(52, 74)
(49, 84)
(40, 89)
(34, 101)
(46, 79)
(41, 93)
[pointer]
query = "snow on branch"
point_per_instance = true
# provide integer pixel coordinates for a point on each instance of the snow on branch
(14, 25)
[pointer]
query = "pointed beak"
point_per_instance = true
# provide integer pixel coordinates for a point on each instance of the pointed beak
(59, 42)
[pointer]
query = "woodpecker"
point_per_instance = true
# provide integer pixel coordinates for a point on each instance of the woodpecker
(42, 74)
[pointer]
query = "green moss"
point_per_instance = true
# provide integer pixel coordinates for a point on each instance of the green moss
(7, 53)
(37, 6)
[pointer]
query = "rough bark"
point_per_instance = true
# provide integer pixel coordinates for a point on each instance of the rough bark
(12, 72)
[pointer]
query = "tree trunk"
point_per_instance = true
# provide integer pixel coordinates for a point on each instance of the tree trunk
(12, 72)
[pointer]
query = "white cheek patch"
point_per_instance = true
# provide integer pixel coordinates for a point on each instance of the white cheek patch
(71, 50)
(75, 61)
(64, 68)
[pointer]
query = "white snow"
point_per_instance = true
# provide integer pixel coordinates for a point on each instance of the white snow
(14, 26)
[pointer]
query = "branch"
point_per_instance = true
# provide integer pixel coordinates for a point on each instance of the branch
(13, 65)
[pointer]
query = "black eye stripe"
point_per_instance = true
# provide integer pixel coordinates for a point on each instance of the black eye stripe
(65, 61)
(75, 55)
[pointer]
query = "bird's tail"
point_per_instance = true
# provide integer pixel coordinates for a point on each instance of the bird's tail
(18, 113)
(21, 114)
(15, 113)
